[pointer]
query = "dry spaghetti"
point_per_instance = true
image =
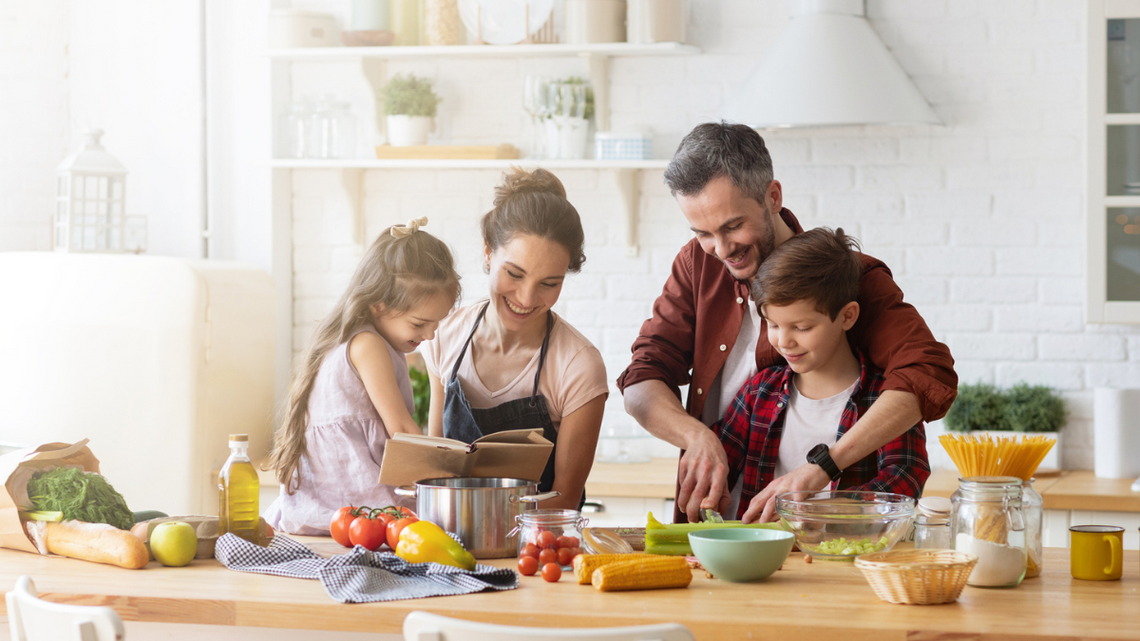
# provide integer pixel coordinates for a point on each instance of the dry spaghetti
(1002, 456)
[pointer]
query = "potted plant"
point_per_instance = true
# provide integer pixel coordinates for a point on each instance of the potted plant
(1021, 409)
(570, 106)
(410, 104)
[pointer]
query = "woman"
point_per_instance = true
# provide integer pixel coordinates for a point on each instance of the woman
(508, 361)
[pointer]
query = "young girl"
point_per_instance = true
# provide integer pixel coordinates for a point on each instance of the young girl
(352, 391)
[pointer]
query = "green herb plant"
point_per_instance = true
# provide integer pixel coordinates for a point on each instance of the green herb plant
(409, 95)
(1022, 408)
(79, 495)
(577, 80)
(421, 394)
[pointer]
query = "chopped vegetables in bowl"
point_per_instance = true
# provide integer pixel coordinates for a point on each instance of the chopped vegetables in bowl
(845, 523)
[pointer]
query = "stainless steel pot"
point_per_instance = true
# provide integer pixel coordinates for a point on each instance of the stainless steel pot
(481, 511)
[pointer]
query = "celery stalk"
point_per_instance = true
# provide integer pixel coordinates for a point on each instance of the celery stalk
(673, 538)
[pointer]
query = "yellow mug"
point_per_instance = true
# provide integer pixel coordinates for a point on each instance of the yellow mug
(1096, 552)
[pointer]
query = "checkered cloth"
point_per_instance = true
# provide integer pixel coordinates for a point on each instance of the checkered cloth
(360, 576)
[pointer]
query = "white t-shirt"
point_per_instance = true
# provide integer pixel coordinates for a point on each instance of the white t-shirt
(807, 423)
(573, 375)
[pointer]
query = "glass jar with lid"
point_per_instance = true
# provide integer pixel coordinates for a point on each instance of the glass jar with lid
(1033, 508)
(551, 535)
(932, 523)
(987, 521)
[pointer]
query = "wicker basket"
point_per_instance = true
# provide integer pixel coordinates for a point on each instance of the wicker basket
(917, 577)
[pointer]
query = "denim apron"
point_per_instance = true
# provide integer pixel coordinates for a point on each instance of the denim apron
(465, 423)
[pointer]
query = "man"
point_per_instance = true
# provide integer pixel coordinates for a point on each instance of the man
(706, 332)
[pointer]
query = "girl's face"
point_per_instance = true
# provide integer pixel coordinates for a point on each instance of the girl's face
(406, 330)
(526, 279)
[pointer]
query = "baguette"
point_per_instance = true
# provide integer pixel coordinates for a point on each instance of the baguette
(96, 542)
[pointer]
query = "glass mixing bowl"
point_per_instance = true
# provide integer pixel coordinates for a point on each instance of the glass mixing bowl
(845, 523)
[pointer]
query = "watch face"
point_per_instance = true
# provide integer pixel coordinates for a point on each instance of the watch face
(816, 451)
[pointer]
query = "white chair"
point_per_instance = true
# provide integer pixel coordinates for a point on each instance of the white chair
(423, 626)
(30, 618)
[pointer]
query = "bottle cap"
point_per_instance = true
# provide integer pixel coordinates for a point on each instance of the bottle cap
(239, 437)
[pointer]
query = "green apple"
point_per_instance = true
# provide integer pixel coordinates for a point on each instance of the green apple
(174, 543)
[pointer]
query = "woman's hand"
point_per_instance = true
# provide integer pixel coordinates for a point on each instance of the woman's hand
(577, 442)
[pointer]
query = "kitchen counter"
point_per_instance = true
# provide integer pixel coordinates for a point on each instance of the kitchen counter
(1066, 490)
(816, 600)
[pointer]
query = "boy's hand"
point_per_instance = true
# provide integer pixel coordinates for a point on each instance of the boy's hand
(808, 477)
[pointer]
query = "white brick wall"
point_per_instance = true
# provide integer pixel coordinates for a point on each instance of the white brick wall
(981, 219)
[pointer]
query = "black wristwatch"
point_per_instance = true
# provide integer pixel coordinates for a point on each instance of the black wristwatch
(821, 456)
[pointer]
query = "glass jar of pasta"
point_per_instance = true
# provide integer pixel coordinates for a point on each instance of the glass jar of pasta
(987, 521)
(1033, 508)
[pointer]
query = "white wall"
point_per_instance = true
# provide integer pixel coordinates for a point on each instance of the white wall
(981, 219)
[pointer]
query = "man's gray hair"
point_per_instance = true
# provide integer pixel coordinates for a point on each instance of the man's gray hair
(712, 150)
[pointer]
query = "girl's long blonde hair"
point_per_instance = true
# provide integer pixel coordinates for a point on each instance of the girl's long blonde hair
(401, 269)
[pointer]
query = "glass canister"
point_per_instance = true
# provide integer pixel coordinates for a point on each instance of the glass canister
(987, 521)
(1033, 508)
(551, 536)
(932, 523)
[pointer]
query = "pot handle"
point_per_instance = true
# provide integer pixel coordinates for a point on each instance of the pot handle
(535, 498)
(405, 490)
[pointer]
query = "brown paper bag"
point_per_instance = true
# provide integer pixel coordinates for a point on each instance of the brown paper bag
(16, 468)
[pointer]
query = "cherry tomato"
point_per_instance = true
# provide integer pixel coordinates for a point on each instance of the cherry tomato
(397, 526)
(565, 556)
(571, 542)
(367, 531)
(551, 572)
(547, 555)
(547, 539)
(341, 521)
(530, 550)
(400, 512)
(528, 565)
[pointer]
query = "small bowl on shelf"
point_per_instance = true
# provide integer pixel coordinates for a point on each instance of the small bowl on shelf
(846, 523)
(740, 555)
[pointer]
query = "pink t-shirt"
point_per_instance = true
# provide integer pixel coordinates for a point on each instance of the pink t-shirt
(573, 375)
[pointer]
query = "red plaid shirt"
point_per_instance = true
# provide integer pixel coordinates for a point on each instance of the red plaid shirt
(754, 422)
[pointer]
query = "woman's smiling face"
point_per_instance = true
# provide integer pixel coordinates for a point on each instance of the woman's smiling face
(526, 278)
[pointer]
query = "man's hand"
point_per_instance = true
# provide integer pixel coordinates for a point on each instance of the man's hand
(808, 477)
(703, 476)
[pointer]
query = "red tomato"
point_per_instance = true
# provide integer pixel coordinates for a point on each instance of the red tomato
(565, 556)
(366, 531)
(528, 565)
(530, 550)
(397, 526)
(341, 521)
(570, 542)
(551, 572)
(547, 555)
(547, 539)
(400, 512)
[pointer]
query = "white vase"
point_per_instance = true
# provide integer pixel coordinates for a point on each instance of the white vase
(406, 131)
(566, 138)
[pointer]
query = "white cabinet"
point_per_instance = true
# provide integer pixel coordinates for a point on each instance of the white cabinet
(1113, 216)
(625, 511)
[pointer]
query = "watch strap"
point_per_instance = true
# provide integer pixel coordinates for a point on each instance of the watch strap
(821, 456)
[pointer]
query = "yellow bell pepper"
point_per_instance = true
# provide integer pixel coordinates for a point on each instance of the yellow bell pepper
(424, 541)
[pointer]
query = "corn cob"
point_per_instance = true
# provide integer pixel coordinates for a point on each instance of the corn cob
(643, 573)
(585, 564)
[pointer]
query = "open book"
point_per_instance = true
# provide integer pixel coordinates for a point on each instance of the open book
(519, 454)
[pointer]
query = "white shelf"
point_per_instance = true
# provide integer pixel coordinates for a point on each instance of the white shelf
(487, 51)
(445, 163)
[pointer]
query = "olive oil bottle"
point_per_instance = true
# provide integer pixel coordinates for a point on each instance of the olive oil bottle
(238, 488)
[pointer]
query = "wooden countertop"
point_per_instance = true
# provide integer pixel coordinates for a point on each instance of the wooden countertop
(1068, 490)
(818, 600)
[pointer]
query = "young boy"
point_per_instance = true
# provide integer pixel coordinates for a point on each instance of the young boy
(806, 291)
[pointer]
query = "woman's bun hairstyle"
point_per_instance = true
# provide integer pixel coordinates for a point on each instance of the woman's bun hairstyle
(534, 203)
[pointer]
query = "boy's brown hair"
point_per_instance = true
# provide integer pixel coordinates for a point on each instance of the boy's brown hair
(821, 266)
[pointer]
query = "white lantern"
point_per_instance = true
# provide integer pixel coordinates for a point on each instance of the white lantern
(90, 195)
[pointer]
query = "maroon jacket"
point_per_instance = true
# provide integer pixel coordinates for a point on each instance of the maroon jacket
(697, 318)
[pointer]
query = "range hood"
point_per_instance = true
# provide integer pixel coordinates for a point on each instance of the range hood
(828, 68)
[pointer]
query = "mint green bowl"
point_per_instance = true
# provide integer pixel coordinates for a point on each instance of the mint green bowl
(741, 555)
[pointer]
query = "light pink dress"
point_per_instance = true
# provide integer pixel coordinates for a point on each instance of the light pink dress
(344, 444)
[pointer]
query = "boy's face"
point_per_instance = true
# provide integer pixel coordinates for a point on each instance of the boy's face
(806, 337)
